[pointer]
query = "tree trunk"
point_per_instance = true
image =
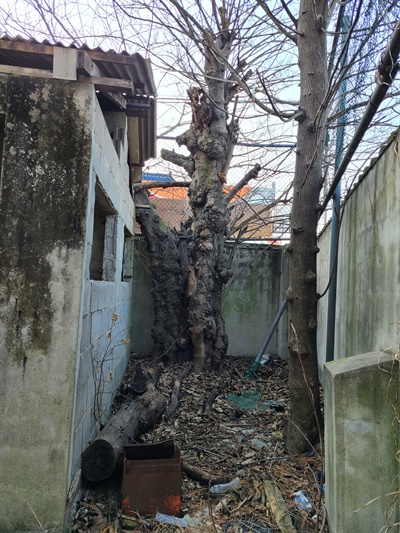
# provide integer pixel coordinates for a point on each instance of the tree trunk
(101, 457)
(305, 413)
(170, 331)
(188, 279)
(209, 141)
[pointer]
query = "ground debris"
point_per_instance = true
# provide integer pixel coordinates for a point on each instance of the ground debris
(223, 441)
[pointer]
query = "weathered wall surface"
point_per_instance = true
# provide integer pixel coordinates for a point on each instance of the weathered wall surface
(361, 385)
(362, 443)
(251, 300)
(106, 304)
(43, 201)
(63, 319)
(368, 297)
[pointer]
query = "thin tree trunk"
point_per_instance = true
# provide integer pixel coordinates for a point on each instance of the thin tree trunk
(305, 413)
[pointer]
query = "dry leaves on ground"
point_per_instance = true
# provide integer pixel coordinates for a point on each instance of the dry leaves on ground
(222, 439)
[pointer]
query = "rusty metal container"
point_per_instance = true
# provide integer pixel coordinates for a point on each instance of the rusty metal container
(151, 479)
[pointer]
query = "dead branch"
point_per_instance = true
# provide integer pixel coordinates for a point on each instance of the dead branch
(208, 402)
(183, 161)
(159, 185)
(203, 477)
(176, 390)
(251, 175)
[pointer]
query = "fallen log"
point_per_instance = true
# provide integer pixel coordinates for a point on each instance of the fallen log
(101, 457)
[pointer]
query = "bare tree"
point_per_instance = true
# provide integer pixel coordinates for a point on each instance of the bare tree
(229, 51)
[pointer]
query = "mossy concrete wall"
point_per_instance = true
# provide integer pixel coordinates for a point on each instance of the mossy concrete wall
(54, 320)
(250, 300)
(362, 443)
(43, 205)
(368, 286)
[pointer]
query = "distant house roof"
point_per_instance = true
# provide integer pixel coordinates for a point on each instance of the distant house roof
(150, 176)
(121, 80)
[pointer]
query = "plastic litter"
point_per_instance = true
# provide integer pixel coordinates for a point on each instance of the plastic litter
(172, 520)
(252, 400)
(258, 443)
(265, 359)
(223, 488)
(302, 501)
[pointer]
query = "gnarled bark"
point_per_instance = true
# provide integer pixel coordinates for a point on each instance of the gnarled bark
(201, 270)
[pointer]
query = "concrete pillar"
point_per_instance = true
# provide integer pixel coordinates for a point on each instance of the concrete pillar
(361, 440)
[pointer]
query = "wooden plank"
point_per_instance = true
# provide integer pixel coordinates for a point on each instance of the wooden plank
(27, 47)
(108, 84)
(86, 66)
(64, 63)
(25, 71)
(278, 511)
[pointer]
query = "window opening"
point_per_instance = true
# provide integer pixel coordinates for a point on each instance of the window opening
(104, 242)
(127, 261)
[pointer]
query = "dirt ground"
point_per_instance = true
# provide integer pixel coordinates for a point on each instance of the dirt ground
(227, 439)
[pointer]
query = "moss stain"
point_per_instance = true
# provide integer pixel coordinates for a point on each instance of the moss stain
(43, 203)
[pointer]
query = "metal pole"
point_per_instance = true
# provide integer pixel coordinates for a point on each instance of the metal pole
(331, 318)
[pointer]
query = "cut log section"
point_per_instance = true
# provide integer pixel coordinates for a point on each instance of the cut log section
(101, 456)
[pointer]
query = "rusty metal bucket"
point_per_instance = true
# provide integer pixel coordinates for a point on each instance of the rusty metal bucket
(151, 479)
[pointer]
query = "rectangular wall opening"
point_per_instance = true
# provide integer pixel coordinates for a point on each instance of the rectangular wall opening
(127, 261)
(103, 258)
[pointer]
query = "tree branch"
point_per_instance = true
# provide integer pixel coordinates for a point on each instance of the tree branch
(183, 161)
(279, 25)
(159, 185)
(252, 174)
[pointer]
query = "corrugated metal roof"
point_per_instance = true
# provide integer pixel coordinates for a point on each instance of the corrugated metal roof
(133, 69)
(39, 54)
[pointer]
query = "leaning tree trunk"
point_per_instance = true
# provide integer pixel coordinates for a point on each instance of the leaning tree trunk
(305, 413)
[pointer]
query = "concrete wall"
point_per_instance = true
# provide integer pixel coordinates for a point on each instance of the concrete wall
(250, 301)
(106, 305)
(361, 391)
(54, 319)
(362, 443)
(368, 288)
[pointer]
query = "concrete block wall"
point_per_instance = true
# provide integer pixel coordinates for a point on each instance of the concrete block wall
(43, 209)
(362, 443)
(251, 300)
(54, 319)
(106, 305)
